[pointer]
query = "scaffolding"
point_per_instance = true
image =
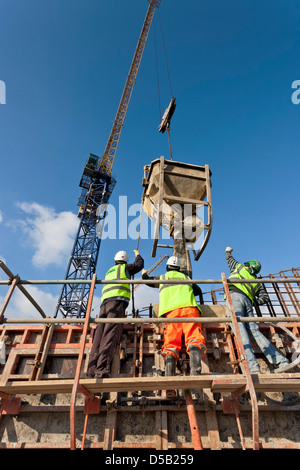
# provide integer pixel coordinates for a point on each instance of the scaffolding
(47, 357)
(284, 298)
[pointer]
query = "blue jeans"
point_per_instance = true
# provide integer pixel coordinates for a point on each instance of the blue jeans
(243, 308)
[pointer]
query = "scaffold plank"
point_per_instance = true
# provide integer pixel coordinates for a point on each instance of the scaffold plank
(218, 383)
(119, 384)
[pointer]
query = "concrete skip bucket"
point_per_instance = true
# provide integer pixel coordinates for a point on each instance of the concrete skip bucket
(177, 197)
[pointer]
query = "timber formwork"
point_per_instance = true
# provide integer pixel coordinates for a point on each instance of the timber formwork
(47, 401)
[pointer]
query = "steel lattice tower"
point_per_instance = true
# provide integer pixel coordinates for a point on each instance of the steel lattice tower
(96, 191)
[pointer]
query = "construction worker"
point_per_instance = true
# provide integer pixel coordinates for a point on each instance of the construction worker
(179, 301)
(114, 301)
(244, 296)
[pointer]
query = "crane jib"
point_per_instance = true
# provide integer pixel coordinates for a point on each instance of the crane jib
(113, 140)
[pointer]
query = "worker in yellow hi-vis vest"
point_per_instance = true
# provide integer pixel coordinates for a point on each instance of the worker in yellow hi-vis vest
(114, 301)
(178, 301)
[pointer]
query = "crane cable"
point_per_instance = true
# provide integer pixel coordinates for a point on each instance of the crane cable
(172, 103)
(162, 35)
(157, 78)
(134, 313)
(156, 61)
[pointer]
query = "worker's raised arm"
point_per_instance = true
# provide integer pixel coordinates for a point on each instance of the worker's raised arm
(145, 276)
(232, 263)
(137, 265)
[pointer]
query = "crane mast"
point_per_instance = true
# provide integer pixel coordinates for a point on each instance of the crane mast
(97, 184)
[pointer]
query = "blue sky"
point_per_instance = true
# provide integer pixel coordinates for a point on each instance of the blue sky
(232, 65)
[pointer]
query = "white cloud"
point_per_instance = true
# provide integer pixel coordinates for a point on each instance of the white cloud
(20, 307)
(1, 216)
(50, 234)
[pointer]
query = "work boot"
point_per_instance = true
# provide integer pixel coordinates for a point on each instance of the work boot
(170, 366)
(195, 360)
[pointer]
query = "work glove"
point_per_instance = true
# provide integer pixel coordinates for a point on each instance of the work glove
(136, 252)
(229, 249)
(144, 271)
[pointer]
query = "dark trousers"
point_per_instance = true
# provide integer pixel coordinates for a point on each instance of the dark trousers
(105, 340)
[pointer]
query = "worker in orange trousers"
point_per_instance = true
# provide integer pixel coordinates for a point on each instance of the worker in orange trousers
(175, 301)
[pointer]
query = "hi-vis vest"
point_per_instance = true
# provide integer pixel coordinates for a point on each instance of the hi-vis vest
(116, 290)
(172, 296)
(241, 272)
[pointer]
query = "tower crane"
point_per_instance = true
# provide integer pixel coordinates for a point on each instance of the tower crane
(97, 184)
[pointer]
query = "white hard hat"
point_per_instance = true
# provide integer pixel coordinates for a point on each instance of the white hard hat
(173, 261)
(121, 256)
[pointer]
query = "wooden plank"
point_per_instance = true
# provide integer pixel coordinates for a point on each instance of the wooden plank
(220, 383)
(164, 430)
(227, 385)
(114, 384)
(277, 385)
(41, 355)
(111, 416)
(152, 383)
(158, 440)
(9, 367)
(211, 416)
(213, 310)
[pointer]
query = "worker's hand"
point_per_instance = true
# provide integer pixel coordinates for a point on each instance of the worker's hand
(228, 248)
(144, 271)
(136, 252)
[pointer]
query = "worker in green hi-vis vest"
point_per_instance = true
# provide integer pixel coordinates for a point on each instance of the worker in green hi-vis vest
(244, 296)
(114, 301)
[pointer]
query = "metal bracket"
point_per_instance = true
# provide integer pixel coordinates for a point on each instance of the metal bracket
(92, 406)
(216, 346)
(230, 406)
(11, 407)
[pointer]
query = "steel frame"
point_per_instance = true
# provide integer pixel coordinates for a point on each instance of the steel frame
(287, 294)
(242, 358)
(180, 200)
